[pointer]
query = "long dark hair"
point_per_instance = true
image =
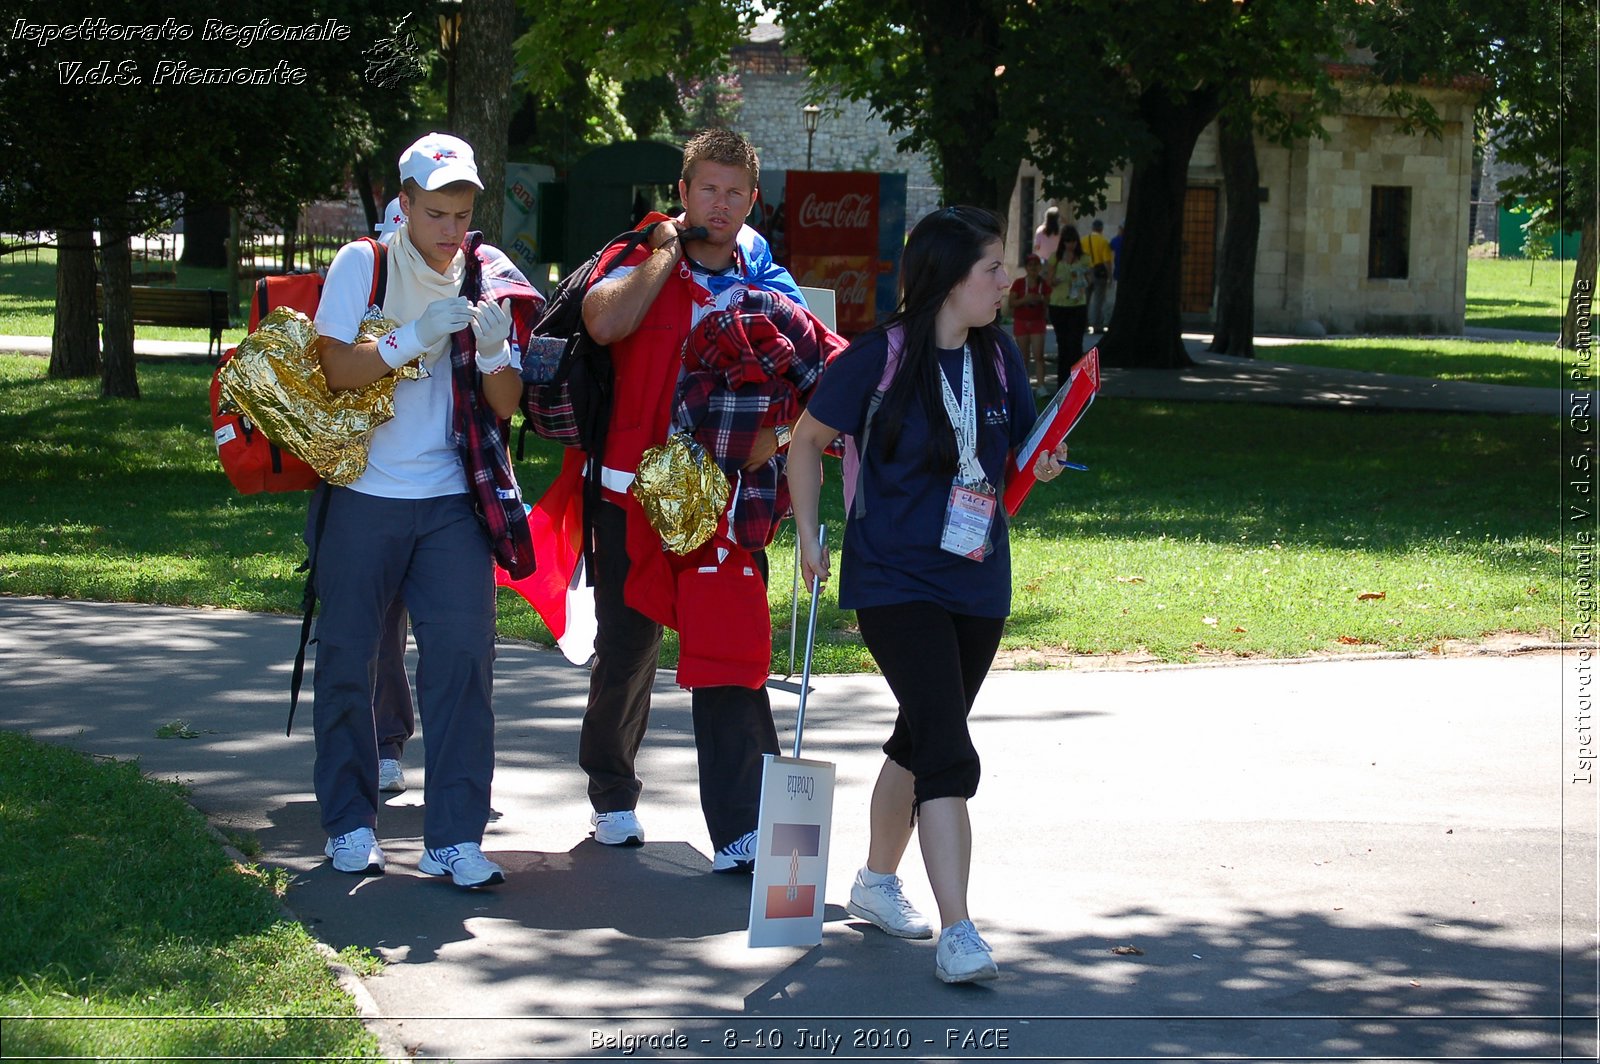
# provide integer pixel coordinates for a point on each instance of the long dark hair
(1069, 235)
(940, 252)
(1052, 221)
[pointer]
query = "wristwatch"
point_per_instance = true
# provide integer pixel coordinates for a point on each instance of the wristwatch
(783, 432)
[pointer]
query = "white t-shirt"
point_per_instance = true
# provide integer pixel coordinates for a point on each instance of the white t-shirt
(411, 456)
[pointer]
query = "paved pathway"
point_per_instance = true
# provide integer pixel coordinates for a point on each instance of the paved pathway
(1355, 859)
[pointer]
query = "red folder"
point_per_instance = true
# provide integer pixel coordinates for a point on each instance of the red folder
(1055, 421)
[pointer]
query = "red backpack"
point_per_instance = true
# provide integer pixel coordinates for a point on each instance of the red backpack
(253, 462)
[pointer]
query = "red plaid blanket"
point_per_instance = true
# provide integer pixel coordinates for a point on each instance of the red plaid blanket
(750, 367)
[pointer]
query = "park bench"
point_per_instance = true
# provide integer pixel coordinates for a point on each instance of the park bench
(205, 308)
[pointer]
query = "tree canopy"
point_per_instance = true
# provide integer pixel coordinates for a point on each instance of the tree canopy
(107, 128)
(613, 69)
(111, 122)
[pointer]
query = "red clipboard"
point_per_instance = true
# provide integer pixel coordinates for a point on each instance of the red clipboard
(1056, 420)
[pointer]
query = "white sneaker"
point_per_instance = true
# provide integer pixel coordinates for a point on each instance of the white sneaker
(963, 955)
(619, 828)
(738, 856)
(464, 863)
(885, 906)
(391, 776)
(356, 852)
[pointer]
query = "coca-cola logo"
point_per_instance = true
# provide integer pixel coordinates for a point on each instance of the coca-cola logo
(853, 210)
(851, 287)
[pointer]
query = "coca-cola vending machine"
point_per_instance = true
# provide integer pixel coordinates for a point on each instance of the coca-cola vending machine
(845, 232)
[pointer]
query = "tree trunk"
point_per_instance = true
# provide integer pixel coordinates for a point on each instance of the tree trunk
(291, 233)
(1236, 274)
(484, 101)
(75, 342)
(118, 379)
(369, 203)
(205, 235)
(963, 180)
(1582, 294)
(1146, 329)
(966, 172)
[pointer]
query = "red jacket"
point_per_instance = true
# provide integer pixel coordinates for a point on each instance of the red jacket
(646, 364)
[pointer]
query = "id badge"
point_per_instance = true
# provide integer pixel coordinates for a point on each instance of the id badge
(966, 521)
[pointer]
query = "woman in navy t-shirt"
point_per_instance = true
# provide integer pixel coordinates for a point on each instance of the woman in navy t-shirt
(926, 560)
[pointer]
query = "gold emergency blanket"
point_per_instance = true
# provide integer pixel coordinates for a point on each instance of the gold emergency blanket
(275, 379)
(682, 491)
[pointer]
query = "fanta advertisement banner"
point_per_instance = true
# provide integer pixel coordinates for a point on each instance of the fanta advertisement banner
(834, 224)
(520, 221)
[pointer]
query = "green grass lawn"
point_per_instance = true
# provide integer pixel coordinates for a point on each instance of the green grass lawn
(130, 935)
(1481, 361)
(1199, 530)
(1500, 295)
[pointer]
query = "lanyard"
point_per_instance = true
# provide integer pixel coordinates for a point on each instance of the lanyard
(964, 419)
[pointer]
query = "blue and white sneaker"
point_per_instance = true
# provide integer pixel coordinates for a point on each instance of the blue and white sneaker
(464, 863)
(738, 856)
(356, 852)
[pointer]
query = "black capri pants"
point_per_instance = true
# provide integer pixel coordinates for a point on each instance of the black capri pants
(935, 661)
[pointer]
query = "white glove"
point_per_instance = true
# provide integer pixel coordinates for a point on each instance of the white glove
(442, 318)
(491, 323)
(414, 339)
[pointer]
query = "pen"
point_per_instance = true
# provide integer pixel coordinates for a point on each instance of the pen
(1079, 466)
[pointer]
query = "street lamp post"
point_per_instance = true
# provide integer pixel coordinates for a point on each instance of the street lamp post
(811, 112)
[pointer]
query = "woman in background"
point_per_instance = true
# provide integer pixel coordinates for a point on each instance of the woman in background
(1068, 274)
(1047, 237)
(1028, 294)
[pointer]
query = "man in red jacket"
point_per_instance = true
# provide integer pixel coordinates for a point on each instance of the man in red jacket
(644, 308)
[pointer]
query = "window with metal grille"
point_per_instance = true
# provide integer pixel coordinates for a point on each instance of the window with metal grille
(1199, 249)
(1389, 237)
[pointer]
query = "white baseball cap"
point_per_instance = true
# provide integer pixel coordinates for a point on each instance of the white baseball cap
(438, 159)
(393, 216)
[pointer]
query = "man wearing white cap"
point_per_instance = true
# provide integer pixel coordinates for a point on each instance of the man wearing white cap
(392, 709)
(415, 526)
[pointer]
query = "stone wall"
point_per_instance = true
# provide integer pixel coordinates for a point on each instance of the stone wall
(848, 137)
(1312, 264)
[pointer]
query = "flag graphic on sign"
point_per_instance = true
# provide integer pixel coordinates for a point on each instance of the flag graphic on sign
(796, 900)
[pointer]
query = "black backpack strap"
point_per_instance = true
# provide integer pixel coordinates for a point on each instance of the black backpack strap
(592, 468)
(308, 600)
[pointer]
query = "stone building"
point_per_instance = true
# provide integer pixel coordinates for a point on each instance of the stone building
(1363, 231)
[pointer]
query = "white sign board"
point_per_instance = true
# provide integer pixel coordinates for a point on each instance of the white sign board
(786, 898)
(822, 303)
